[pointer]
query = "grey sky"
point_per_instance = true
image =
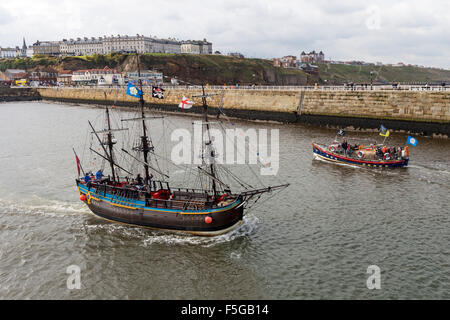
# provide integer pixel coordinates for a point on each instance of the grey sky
(408, 31)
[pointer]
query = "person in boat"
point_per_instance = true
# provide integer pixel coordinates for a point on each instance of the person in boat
(349, 150)
(379, 153)
(99, 175)
(344, 146)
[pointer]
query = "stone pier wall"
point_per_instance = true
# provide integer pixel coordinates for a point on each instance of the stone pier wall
(18, 94)
(416, 111)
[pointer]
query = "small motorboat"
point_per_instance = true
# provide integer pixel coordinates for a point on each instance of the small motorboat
(372, 155)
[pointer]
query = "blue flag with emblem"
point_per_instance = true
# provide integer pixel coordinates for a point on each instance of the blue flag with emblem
(412, 141)
(133, 91)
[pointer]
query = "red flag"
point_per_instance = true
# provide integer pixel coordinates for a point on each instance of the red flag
(78, 164)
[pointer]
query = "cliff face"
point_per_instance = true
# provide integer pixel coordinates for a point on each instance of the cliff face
(195, 69)
(340, 74)
(219, 70)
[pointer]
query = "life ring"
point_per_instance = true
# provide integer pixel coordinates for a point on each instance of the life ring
(332, 148)
(387, 156)
(360, 155)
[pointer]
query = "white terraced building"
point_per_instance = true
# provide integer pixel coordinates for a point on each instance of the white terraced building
(196, 47)
(105, 45)
(6, 53)
(81, 47)
(141, 44)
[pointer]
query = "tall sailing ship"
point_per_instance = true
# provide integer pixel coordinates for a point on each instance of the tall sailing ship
(151, 201)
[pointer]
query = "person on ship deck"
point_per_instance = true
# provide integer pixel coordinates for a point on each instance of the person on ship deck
(87, 180)
(99, 175)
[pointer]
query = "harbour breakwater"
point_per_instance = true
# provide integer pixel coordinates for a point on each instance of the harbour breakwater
(424, 112)
(20, 94)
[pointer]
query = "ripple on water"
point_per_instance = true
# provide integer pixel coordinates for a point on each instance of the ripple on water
(148, 237)
(41, 206)
(313, 240)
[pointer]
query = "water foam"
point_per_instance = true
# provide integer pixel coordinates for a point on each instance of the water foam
(150, 237)
(41, 206)
(339, 163)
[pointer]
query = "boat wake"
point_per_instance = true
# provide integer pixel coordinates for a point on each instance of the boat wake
(338, 163)
(431, 175)
(430, 169)
(150, 237)
(41, 206)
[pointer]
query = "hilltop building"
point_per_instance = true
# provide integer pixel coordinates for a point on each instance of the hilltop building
(23, 52)
(289, 62)
(51, 48)
(312, 57)
(196, 47)
(124, 44)
(286, 62)
(6, 53)
(81, 47)
(236, 55)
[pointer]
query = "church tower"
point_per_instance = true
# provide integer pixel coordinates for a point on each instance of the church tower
(24, 48)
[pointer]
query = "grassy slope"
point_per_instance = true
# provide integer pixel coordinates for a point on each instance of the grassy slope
(212, 69)
(217, 69)
(383, 74)
(64, 63)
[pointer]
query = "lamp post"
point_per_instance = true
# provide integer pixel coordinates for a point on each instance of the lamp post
(371, 80)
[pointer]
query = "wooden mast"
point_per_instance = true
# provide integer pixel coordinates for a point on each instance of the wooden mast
(205, 110)
(110, 145)
(145, 147)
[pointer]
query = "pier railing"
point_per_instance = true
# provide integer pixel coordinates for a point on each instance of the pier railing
(279, 88)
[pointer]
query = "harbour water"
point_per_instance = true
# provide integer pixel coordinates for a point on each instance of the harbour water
(315, 241)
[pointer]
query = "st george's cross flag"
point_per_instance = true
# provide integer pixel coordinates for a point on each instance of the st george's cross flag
(185, 103)
(412, 141)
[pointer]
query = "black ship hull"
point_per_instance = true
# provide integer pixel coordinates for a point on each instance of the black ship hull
(199, 222)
